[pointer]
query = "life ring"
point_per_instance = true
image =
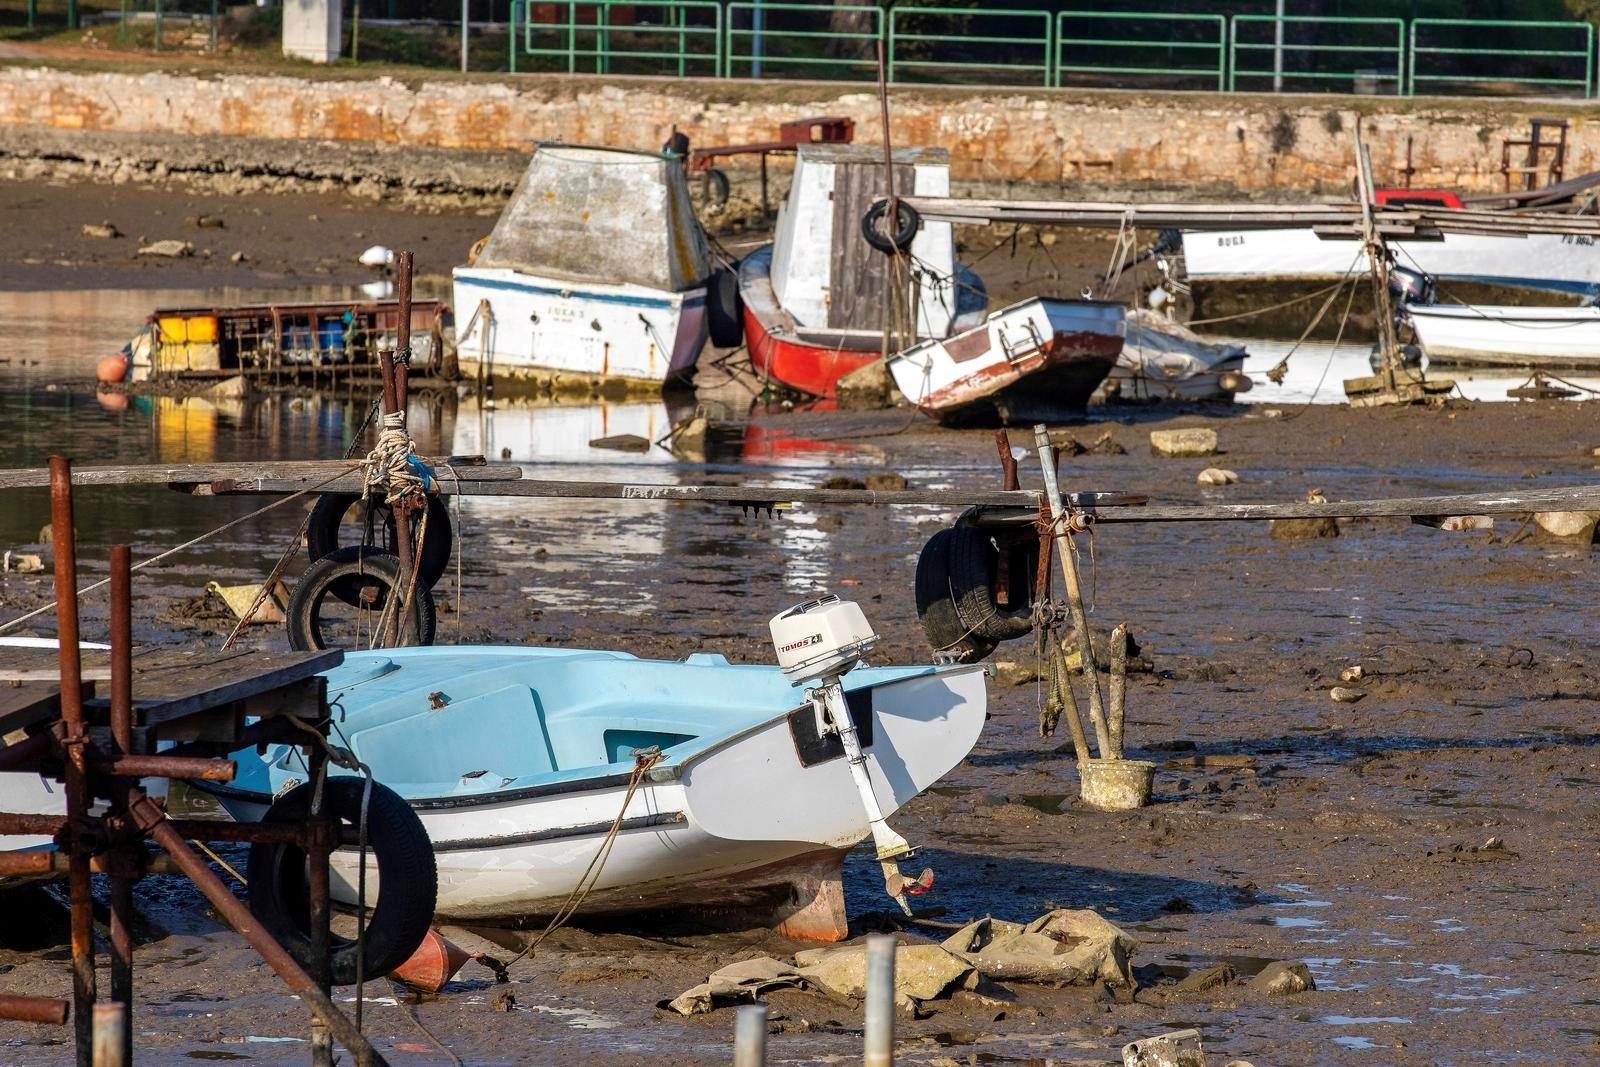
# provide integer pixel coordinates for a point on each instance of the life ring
(408, 875)
(361, 576)
(714, 189)
(974, 560)
(327, 515)
(907, 223)
(724, 309)
(936, 607)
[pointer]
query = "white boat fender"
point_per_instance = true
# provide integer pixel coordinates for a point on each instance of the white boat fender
(820, 641)
(408, 878)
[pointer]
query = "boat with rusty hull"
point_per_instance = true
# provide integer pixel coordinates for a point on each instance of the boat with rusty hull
(520, 761)
(1037, 360)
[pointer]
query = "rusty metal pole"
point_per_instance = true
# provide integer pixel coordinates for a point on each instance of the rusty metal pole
(111, 1037)
(402, 380)
(317, 851)
(400, 386)
(125, 861)
(153, 820)
(47, 1010)
(74, 741)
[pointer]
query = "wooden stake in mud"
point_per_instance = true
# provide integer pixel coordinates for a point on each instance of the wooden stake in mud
(124, 860)
(1119, 687)
(1069, 572)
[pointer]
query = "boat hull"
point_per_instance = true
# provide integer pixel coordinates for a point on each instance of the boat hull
(753, 826)
(1165, 361)
(1556, 338)
(1557, 262)
(1037, 359)
(524, 326)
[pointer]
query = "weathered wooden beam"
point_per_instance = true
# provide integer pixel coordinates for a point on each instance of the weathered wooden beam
(309, 472)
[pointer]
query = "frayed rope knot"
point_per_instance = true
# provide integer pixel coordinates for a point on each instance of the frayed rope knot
(392, 468)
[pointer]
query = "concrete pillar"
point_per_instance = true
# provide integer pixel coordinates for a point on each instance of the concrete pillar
(311, 29)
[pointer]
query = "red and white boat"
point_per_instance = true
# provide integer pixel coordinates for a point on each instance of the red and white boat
(814, 298)
(1039, 360)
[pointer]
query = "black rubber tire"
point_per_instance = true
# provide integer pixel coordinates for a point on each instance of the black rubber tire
(907, 223)
(936, 607)
(974, 559)
(341, 574)
(409, 877)
(327, 515)
(714, 189)
(724, 309)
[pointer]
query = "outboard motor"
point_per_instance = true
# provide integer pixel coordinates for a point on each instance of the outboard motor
(818, 642)
(1410, 286)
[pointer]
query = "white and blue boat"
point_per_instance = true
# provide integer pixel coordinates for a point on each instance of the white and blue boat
(596, 273)
(518, 761)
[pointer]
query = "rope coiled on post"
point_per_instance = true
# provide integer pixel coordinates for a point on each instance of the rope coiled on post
(391, 467)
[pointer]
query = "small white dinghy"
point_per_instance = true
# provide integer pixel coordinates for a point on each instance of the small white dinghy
(1037, 360)
(1499, 336)
(1163, 360)
(746, 784)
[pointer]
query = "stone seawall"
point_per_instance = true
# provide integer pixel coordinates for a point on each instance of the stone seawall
(463, 137)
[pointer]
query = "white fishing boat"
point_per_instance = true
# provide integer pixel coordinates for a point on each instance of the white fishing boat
(727, 788)
(1497, 336)
(1162, 360)
(1039, 359)
(596, 272)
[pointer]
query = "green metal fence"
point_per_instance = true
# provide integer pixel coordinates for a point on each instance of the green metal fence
(937, 44)
(1305, 53)
(675, 37)
(789, 40)
(1501, 56)
(1157, 48)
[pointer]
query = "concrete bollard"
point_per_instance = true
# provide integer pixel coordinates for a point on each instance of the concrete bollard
(750, 1036)
(880, 1002)
(1116, 784)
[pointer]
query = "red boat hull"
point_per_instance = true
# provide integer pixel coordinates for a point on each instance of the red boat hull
(810, 368)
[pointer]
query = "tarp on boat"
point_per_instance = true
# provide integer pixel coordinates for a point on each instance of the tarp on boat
(607, 215)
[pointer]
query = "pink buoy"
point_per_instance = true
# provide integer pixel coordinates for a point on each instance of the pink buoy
(112, 368)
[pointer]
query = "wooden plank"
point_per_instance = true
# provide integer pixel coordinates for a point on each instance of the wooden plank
(858, 274)
(310, 472)
(25, 704)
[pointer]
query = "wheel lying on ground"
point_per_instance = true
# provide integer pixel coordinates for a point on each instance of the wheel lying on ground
(714, 189)
(280, 898)
(724, 309)
(974, 563)
(328, 514)
(361, 579)
(936, 607)
(907, 222)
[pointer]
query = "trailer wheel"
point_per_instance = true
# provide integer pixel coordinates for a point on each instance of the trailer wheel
(342, 596)
(328, 513)
(974, 560)
(936, 606)
(725, 309)
(714, 189)
(907, 223)
(281, 899)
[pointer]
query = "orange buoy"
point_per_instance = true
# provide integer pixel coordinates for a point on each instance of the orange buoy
(435, 962)
(113, 368)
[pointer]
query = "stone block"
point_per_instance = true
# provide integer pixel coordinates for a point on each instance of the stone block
(1197, 441)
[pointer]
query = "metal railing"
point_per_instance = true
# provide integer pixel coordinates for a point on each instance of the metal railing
(1028, 46)
(799, 41)
(1299, 58)
(1083, 57)
(1011, 42)
(1484, 54)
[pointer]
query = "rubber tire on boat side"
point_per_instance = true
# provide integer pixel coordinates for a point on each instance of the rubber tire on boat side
(907, 223)
(973, 560)
(327, 515)
(343, 571)
(398, 843)
(725, 309)
(936, 607)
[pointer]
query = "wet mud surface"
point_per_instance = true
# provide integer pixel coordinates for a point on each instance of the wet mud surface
(1353, 837)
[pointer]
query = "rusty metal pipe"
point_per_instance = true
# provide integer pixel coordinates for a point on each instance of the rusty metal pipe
(122, 648)
(34, 861)
(113, 1022)
(239, 917)
(50, 1010)
(22, 822)
(81, 892)
(206, 770)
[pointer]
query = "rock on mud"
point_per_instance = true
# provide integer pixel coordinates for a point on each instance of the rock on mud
(170, 249)
(1183, 443)
(1216, 476)
(104, 231)
(1284, 978)
(1572, 527)
(886, 482)
(1345, 695)
(1304, 529)
(866, 389)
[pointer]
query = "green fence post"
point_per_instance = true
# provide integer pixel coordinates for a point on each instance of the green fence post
(214, 25)
(72, 14)
(31, 5)
(158, 25)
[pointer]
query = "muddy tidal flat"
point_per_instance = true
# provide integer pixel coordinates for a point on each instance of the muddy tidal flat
(1426, 851)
